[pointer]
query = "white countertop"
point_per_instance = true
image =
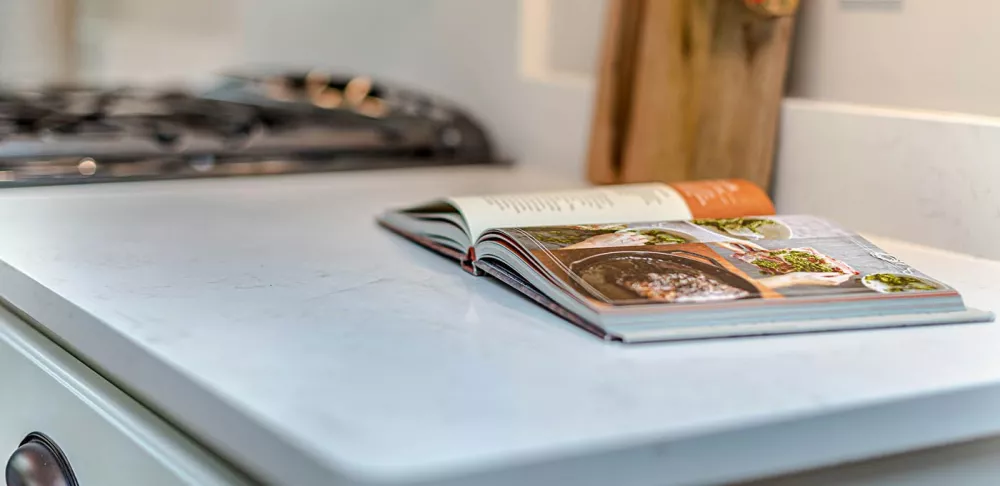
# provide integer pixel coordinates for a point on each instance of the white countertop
(272, 319)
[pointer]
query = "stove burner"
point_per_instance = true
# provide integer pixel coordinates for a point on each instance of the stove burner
(248, 124)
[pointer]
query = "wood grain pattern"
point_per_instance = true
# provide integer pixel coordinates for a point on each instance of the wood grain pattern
(703, 100)
(614, 93)
(744, 85)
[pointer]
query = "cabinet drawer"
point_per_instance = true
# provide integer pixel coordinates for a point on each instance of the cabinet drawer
(107, 437)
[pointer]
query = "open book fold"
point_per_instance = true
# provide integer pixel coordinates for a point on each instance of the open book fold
(647, 262)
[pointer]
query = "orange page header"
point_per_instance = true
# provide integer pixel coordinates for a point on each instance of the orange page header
(724, 198)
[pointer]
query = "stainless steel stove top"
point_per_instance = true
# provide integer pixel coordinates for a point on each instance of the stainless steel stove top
(247, 125)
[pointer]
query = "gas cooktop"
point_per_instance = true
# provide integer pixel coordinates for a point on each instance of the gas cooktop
(266, 124)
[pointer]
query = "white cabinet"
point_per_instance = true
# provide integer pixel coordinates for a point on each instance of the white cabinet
(107, 437)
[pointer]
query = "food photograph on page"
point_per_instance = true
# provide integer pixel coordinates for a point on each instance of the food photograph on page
(706, 261)
(694, 260)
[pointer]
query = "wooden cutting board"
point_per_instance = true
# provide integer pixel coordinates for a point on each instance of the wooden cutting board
(690, 89)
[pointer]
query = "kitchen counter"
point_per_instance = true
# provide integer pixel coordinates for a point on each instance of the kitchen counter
(272, 320)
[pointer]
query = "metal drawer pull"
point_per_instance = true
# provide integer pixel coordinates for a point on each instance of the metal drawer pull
(39, 462)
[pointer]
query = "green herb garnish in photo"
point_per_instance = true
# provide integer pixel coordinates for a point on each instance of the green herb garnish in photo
(900, 283)
(771, 265)
(659, 237)
(730, 225)
(803, 261)
(567, 236)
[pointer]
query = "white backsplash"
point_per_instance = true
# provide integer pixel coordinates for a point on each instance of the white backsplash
(925, 177)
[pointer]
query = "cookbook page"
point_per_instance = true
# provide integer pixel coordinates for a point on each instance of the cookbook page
(609, 204)
(780, 259)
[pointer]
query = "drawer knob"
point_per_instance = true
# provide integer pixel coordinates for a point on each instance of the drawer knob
(39, 462)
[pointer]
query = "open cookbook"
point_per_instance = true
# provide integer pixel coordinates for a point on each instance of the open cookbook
(649, 262)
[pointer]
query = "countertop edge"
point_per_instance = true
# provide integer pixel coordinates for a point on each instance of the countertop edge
(177, 397)
(751, 450)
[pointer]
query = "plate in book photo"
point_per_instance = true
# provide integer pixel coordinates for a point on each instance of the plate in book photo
(754, 228)
(606, 236)
(636, 236)
(624, 277)
(890, 283)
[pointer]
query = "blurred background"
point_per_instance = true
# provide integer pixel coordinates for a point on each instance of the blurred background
(470, 52)
(893, 89)
(525, 66)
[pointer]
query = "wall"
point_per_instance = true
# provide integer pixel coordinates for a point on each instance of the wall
(469, 51)
(30, 48)
(139, 41)
(574, 31)
(927, 54)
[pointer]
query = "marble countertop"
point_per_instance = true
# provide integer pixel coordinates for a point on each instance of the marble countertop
(274, 321)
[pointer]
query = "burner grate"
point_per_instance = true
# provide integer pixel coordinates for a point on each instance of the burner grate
(260, 125)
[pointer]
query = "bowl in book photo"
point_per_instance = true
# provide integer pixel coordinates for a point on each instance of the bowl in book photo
(636, 236)
(606, 236)
(890, 283)
(557, 237)
(661, 235)
(680, 276)
(753, 228)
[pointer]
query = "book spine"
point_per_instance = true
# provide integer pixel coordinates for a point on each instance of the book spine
(525, 288)
(468, 263)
